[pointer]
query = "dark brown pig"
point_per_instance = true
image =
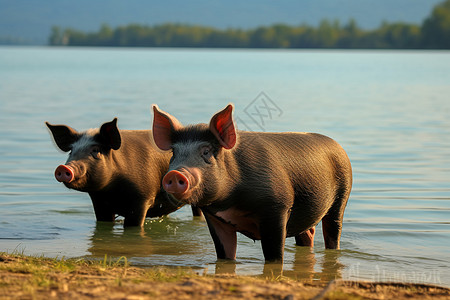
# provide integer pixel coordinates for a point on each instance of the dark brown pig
(119, 169)
(268, 186)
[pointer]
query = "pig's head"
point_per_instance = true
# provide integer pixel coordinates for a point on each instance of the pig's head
(196, 171)
(88, 167)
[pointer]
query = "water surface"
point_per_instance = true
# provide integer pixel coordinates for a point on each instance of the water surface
(389, 109)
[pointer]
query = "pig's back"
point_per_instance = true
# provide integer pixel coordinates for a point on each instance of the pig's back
(295, 162)
(291, 150)
(136, 137)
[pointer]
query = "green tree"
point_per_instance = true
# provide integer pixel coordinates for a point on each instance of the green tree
(56, 36)
(400, 36)
(349, 35)
(327, 34)
(436, 28)
(74, 37)
(104, 36)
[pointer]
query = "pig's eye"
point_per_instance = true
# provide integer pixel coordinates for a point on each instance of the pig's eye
(95, 153)
(206, 154)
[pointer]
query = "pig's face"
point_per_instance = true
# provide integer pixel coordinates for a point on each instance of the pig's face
(88, 166)
(196, 166)
(193, 171)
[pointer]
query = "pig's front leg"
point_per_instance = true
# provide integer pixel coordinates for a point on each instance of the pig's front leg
(196, 212)
(273, 236)
(223, 235)
(102, 209)
(136, 216)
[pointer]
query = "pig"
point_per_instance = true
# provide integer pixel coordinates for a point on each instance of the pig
(267, 186)
(119, 169)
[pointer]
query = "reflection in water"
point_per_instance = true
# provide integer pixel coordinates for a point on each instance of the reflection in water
(306, 267)
(158, 237)
(331, 266)
(303, 264)
(108, 239)
(225, 266)
(180, 240)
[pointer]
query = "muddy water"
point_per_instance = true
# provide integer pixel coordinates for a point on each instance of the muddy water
(389, 110)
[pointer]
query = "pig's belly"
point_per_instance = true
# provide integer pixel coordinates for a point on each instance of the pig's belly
(247, 224)
(301, 220)
(243, 222)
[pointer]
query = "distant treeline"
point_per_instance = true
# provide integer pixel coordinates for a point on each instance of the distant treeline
(7, 40)
(434, 33)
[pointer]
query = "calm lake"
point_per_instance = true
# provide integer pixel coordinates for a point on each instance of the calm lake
(390, 110)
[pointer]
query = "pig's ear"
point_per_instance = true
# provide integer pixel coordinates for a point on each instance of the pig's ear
(64, 136)
(163, 127)
(222, 126)
(110, 135)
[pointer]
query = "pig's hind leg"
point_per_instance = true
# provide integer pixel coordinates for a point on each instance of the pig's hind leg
(332, 222)
(306, 238)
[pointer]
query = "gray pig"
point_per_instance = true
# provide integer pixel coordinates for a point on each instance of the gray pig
(267, 186)
(120, 169)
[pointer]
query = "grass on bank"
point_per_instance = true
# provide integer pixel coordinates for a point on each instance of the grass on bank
(42, 268)
(22, 275)
(28, 277)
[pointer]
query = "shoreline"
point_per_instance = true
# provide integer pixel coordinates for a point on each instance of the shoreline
(27, 277)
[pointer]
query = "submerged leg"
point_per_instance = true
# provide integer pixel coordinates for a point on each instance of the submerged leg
(332, 224)
(306, 238)
(223, 235)
(103, 211)
(331, 232)
(332, 221)
(273, 236)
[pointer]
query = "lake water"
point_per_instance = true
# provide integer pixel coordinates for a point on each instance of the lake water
(389, 109)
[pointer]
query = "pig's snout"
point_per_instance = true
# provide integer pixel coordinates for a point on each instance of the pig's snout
(64, 173)
(174, 182)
